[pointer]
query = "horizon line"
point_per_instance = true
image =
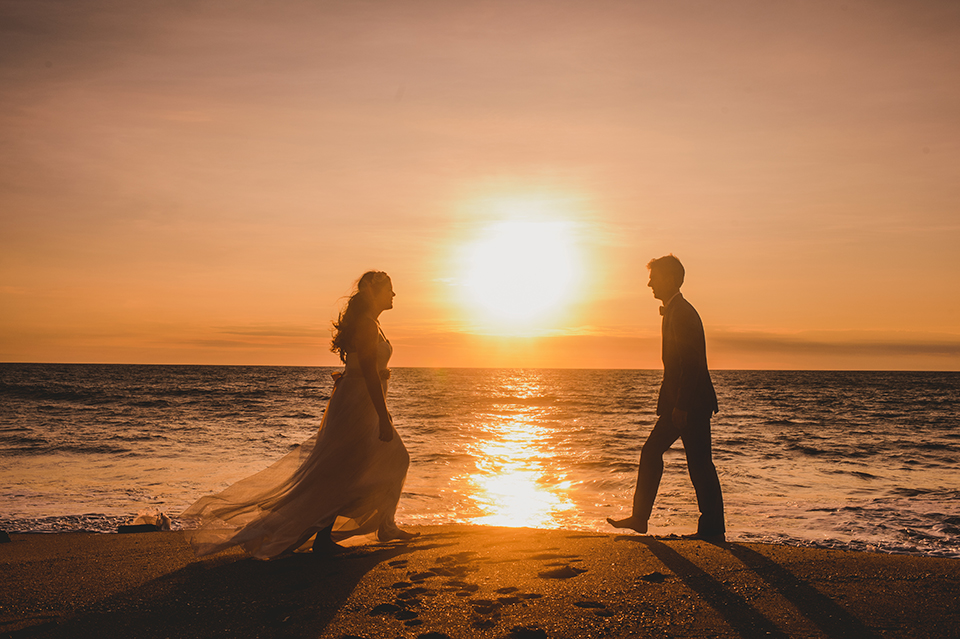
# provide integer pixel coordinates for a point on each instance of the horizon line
(499, 368)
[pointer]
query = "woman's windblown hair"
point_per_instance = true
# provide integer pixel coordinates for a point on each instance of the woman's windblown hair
(346, 326)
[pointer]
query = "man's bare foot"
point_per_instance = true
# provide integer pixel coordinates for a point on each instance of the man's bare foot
(716, 538)
(395, 534)
(633, 523)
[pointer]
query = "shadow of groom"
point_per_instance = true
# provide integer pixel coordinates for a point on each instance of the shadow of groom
(745, 618)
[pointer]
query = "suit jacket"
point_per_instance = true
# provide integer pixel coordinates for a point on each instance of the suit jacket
(686, 381)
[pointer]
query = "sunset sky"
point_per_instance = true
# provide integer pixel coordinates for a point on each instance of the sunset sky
(202, 182)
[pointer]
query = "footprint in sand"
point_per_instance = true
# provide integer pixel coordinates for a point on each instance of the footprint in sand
(463, 588)
(457, 557)
(655, 577)
(484, 606)
(456, 565)
(410, 595)
(550, 555)
(566, 572)
(420, 576)
(413, 592)
(527, 632)
(384, 609)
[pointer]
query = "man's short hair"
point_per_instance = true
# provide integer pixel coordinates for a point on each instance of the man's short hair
(669, 265)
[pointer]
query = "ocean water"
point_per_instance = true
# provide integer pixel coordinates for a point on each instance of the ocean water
(861, 460)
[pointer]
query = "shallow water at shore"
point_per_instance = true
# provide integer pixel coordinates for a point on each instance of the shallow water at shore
(837, 459)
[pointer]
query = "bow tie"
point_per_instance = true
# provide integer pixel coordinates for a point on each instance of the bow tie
(663, 310)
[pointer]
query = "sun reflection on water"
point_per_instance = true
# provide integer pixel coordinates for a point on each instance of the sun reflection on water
(515, 485)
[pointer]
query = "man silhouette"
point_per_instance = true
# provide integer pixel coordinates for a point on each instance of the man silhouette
(685, 405)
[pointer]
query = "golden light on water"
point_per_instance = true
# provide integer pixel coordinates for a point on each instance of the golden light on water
(515, 485)
(510, 487)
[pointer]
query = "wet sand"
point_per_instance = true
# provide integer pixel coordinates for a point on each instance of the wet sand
(465, 581)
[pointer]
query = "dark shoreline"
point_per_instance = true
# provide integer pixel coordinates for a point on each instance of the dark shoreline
(466, 581)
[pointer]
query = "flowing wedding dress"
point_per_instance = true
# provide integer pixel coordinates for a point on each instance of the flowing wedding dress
(343, 475)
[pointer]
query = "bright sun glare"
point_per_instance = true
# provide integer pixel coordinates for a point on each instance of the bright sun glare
(521, 271)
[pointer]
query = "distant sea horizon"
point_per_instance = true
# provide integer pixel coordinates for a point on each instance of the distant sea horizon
(830, 458)
(548, 368)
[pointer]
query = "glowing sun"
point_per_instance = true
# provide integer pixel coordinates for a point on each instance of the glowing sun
(520, 271)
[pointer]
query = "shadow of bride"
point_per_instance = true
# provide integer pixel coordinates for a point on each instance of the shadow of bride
(295, 596)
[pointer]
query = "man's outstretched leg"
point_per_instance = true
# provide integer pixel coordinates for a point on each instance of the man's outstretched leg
(661, 438)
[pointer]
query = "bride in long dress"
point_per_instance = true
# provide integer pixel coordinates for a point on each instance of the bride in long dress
(343, 481)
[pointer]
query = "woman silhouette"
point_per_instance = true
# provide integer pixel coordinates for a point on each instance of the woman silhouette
(343, 481)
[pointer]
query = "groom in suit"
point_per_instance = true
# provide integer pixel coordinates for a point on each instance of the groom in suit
(686, 403)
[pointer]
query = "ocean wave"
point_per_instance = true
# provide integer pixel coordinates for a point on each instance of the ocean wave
(807, 450)
(91, 449)
(861, 545)
(151, 403)
(298, 415)
(138, 437)
(41, 393)
(24, 447)
(935, 446)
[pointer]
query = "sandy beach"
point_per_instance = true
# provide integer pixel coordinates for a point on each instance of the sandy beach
(463, 581)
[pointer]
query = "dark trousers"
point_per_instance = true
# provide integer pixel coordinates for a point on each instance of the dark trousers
(703, 474)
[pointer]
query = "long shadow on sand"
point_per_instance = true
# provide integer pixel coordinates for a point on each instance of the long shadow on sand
(827, 615)
(832, 619)
(746, 620)
(296, 596)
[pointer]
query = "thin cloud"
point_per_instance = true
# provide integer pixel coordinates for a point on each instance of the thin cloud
(843, 344)
(275, 331)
